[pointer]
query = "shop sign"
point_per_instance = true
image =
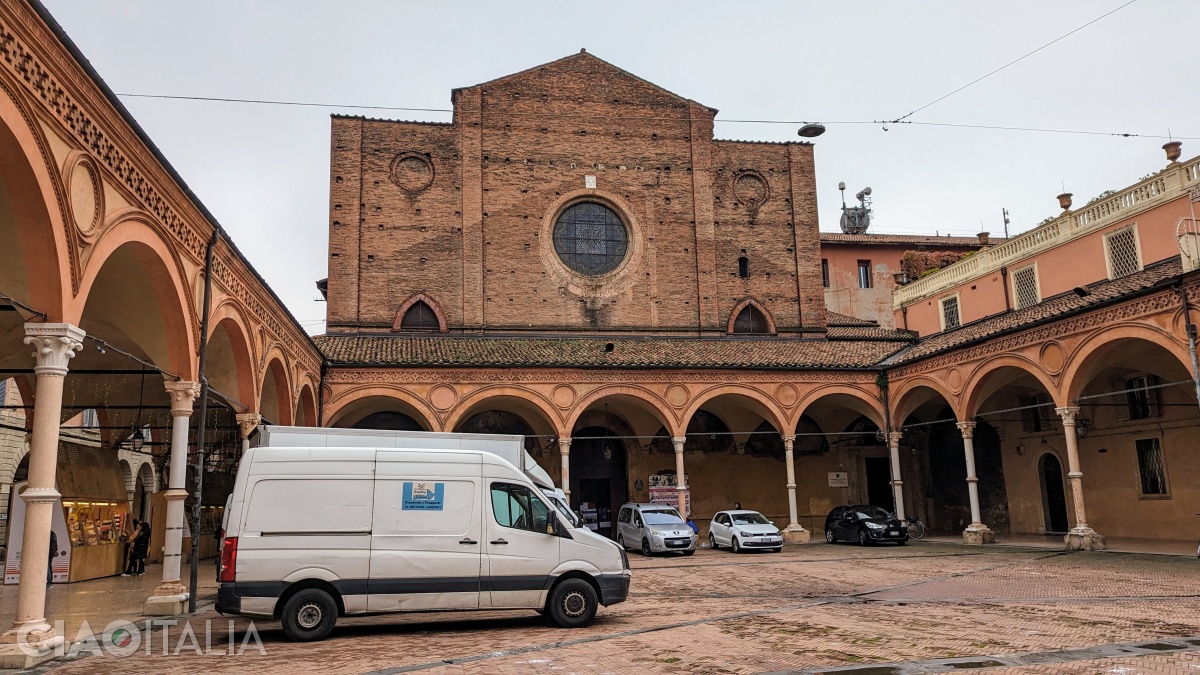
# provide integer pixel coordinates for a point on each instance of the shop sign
(670, 496)
(839, 479)
(423, 496)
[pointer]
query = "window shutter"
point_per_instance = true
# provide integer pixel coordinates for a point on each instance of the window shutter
(1045, 413)
(1028, 415)
(1120, 399)
(1153, 397)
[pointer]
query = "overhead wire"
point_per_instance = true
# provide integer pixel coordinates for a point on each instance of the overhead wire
(1013, 62)
(642, 118)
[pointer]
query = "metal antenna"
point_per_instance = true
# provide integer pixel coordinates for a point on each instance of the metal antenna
(1005, 223)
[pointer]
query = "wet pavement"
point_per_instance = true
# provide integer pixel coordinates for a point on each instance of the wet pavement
(925, 607)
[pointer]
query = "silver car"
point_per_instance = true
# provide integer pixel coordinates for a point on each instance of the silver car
(654, 528)
(743, 530)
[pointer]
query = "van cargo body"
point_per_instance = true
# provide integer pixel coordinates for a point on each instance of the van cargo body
(314, 532)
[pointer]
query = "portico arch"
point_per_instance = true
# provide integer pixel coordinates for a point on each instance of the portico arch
(729, 401)
(645, 408)
(914, 392)
(230, 363)
(34, 267)
(851, 397)
(997, 373)
(275, 401)
(306, 406)
(371, 406)
(1089, 356)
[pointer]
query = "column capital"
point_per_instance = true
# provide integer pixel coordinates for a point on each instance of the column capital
(564, 445)
(1068, 414)
(183, 395)
(967, 428)
(248, 422)
(39, 495)
(678, 442)
(894, 437)
(789, 438)
(54, 344)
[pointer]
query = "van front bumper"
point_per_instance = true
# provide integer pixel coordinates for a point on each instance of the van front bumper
(614, 588)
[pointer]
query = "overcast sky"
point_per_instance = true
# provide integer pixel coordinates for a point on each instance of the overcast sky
(263, 170)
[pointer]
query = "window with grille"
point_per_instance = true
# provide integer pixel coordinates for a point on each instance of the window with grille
(1121, 249)
(590, 238)
(864, 273)
(1150, 466)
(824, 272)
(420, 317)
(751, 320)
(1025, 287)
(950, 317)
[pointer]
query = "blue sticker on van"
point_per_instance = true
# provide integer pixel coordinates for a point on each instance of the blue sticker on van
(423, 496)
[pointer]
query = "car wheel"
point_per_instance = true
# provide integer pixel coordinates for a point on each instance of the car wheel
(691, 552)
(621, 543)
(829, 538)
(712, 541)
(862, 538)
(777, 550)
(737, 547)
(572, 603)
(646, 547)
(903, 541)
(309, 615)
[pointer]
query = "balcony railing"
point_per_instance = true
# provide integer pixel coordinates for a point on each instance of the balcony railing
(1173, 182)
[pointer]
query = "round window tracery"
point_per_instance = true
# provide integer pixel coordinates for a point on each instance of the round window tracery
(590, 238)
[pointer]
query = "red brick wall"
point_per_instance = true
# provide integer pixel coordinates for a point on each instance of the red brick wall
(477, 238)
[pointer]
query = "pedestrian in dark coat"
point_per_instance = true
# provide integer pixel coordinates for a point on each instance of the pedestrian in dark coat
(50, 561)
(141, 546)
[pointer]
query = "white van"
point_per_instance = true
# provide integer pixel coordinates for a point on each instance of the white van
(416, 522)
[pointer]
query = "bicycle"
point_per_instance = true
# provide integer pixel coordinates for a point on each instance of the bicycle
(916, 529)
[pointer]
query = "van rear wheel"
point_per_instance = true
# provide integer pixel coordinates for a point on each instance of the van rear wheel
(572, 603)
(309, 615)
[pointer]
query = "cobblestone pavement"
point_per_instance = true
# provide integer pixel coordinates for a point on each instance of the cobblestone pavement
(810, 608)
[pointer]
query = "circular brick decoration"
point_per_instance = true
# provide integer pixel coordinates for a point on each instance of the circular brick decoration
(412, 172)
(563, 396)
(677, 395)
(955, 380)
(443, 396)
(750, 188)
(786, 395)
(1053, 357)
(87, 197)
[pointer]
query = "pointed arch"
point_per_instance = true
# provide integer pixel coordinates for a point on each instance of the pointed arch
(756, 314)
(412, 304)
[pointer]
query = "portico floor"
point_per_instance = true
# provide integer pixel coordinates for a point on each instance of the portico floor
(1115, 545)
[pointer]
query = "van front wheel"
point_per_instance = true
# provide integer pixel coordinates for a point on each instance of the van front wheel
(573, 603)
(309, 615)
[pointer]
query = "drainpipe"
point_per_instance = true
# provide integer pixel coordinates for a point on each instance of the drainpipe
(1004, 276)
(208, 271)
(904, 314)
(1191, 334)
(321, 395)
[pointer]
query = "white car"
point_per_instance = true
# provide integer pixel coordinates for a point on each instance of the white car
(742, 530)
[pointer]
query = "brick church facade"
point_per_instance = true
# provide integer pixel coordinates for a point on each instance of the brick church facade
(576, 259)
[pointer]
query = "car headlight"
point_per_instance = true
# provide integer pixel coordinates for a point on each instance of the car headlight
(656, 533)
(874, 526)
(747, 534)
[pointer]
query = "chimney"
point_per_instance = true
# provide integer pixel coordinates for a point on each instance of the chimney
(983, 238)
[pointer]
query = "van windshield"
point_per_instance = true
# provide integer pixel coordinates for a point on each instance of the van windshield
(662, 518)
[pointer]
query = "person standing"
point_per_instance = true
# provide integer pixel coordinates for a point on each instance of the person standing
(50, 562)
(137, 563)
(134, 540)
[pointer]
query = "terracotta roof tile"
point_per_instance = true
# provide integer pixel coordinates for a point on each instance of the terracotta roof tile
(721, 352)
(1059, 305)
(868, 333)
(839, 319)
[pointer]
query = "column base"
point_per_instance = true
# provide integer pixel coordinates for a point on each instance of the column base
(21, 657)
(795, 534)
(976, 535)
(1084, 539)
(165, 605)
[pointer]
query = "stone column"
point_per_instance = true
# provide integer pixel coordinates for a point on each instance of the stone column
(170, 597)
(564, 453)
(32, 639)
(897, 484)
(1081, 537)
(976, 532)
(795, 533)
(247, 423)
(680, 487)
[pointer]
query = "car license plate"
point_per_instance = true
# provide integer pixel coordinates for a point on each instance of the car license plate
(893, 533)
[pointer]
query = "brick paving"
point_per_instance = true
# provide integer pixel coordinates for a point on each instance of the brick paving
(810, 607)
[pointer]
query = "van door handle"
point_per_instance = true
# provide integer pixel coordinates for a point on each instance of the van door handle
(499, 541)
(468, 541)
